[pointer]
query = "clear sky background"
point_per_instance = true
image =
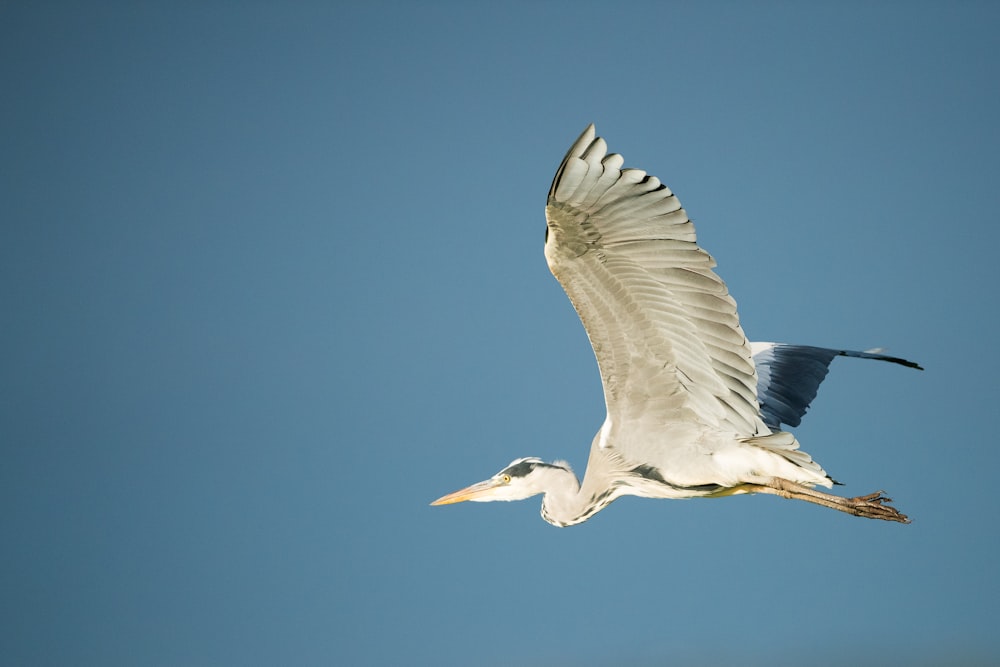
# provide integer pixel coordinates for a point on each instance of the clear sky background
(272, 280)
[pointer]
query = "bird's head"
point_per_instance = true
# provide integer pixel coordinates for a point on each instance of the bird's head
(521, 479)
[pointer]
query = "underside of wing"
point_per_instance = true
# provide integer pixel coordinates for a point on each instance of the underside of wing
(661, 322)
(788, 377)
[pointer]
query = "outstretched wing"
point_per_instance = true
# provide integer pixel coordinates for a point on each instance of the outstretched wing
(788, 377)
(661, 322)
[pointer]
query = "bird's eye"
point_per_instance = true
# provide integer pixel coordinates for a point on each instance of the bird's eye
(506, 479)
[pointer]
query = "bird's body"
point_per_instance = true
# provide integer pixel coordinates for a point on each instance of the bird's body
(693, 408)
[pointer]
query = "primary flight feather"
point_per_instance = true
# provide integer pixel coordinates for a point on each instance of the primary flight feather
(693, 408)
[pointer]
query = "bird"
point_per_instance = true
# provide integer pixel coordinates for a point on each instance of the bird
(694, 410)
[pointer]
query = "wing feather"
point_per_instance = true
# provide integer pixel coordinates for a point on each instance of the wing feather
(662, 324)
(789, 377)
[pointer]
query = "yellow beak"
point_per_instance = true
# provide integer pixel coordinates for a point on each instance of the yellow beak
(478, 491)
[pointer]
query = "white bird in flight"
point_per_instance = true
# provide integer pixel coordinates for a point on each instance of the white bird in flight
(694, 410)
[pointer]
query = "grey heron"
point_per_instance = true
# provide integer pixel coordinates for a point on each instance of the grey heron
(694, 410)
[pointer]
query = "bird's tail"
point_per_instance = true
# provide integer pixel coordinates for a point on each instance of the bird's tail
(786, 445)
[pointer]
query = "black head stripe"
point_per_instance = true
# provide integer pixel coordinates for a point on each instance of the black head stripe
(524, 467)
(519, 469)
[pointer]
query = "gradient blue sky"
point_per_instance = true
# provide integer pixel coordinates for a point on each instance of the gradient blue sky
(272, 280)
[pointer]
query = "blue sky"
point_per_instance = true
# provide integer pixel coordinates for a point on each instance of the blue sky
(272, 280)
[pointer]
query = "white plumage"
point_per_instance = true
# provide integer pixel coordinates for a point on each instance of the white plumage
(687, 414)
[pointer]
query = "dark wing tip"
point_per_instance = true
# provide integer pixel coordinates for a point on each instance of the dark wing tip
(873, 354)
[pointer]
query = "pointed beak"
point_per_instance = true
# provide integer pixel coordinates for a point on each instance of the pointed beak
(479, 491)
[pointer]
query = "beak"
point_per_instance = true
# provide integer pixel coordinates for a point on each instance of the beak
(479, 491)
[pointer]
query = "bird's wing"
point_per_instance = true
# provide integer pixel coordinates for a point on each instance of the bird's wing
(661, 322)
(788, 377)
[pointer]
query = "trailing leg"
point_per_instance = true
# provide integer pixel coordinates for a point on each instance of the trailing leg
(873, 506)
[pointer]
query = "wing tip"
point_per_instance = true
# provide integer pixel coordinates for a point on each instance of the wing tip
(577, 150)
(877, 354)
(586, 138)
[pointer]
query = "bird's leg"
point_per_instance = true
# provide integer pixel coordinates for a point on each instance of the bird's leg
(873, 506)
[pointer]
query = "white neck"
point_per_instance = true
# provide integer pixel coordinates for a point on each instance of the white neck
(564, 503)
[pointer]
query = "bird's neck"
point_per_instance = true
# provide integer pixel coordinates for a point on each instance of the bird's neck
(568, 502)
(565, 502)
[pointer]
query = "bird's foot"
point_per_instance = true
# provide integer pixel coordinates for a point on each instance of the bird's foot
(875, 506)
